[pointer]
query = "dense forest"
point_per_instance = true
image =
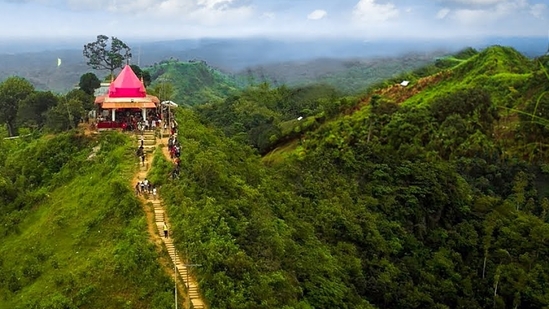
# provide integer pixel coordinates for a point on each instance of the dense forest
(432, 195)
(427, 196)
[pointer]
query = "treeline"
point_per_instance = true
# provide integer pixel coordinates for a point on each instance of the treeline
(22, 106)
(436, 202)
(265, 117)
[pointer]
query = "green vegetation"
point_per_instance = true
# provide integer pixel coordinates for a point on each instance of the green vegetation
(24, 107)
(73, 234)
(348, 76)
(429, 196)
(193, 82)
(432, 195)
(107, 53)
(265, 117)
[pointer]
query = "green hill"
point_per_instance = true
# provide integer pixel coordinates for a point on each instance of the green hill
(350, 76)
(194, 82)
(73, 235)
(432, 195)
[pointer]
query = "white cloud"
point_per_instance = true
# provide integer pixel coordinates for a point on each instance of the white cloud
(442, 13)
(317, 14)
(268, 15)
(476, 2)
(371, 12)
(496, 12)
(285, 18)
(539, 10)
(207, 12)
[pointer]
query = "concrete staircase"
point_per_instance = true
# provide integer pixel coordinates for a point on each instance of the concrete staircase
(183, 269)
(149, 140)
(193, 294)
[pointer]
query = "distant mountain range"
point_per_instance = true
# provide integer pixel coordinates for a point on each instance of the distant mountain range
(286, 61)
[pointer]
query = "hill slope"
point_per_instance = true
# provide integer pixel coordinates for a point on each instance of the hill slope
(349, 76)
(436, 198)
(194, 82)
(73, 234)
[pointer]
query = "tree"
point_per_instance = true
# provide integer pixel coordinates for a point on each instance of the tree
(102, 57)
(80, 95)
(12, 91)
(89, 82)
(142, 74)
(32, 110)
(65, 115)
(164, 91)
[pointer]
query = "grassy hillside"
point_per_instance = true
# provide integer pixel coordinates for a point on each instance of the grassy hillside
(72, 234)
(197, 83)
(194, 82)
(427, 196)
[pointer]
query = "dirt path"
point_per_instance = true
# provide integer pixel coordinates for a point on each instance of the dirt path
(156, 216)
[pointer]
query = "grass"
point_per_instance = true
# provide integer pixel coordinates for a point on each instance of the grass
(280, 153)
(86, 244)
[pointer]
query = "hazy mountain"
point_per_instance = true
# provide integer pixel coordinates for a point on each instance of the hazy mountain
(37, 61)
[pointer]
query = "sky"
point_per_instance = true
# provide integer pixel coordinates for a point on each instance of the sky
(357, 19)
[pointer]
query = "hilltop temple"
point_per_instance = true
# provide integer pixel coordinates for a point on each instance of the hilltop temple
(126, 104)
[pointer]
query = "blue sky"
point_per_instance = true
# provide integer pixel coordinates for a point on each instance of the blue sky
(362, 19)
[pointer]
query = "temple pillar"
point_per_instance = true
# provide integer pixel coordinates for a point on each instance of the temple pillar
(113, 114)
(144, 113)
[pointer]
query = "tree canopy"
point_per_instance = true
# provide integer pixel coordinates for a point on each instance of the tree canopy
(89, 82)
(13, 91)
(107, 54)
(144, 74)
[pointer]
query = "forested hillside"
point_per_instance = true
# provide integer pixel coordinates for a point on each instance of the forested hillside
(73, 234)
(350, 76)
(427, 196)
(432, 195)
(192, 83)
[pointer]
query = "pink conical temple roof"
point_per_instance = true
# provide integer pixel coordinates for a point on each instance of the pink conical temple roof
(127, 85)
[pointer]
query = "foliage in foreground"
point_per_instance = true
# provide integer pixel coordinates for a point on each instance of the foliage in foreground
(73, 235)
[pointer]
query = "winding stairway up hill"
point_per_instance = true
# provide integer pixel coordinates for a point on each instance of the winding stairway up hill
(156, 221)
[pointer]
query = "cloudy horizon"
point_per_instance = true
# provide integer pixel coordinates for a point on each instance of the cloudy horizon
(353, 19)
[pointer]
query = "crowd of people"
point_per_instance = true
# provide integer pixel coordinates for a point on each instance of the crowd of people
(130, 120)
(174, 148)
(145, 188)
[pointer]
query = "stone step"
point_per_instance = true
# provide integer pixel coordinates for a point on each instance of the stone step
(197, 303)
(148, 143)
